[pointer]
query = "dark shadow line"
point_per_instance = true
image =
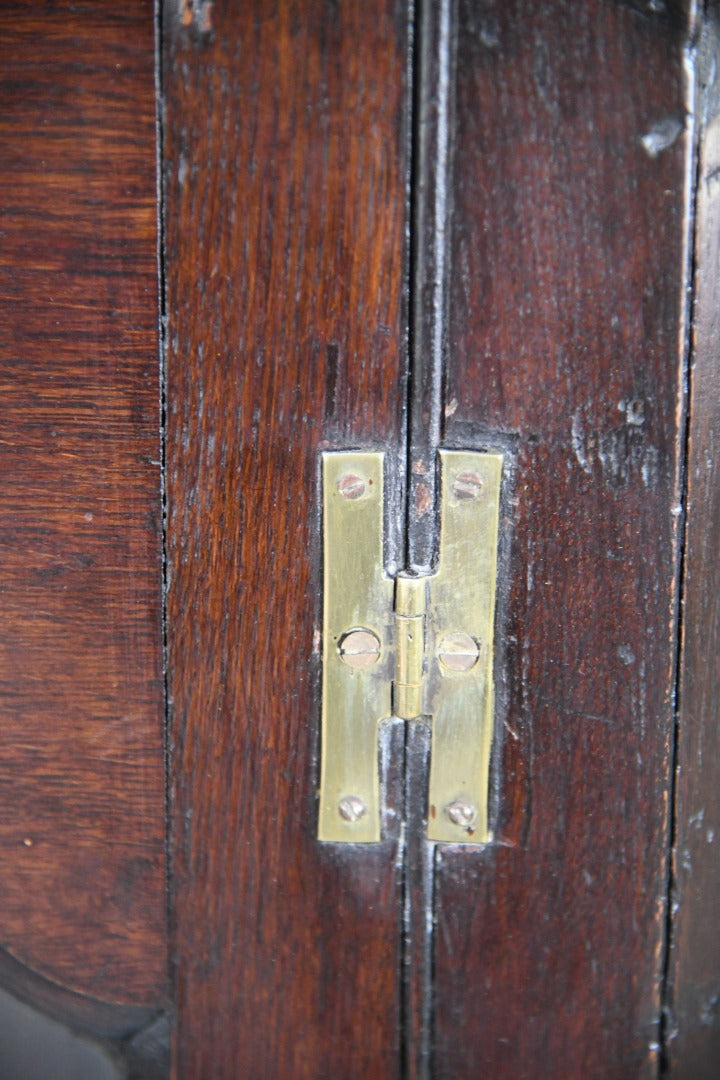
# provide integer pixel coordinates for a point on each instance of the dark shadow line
(163, 394)
(665, 1019)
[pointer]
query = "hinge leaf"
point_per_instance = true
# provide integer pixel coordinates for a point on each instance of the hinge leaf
(357, 671)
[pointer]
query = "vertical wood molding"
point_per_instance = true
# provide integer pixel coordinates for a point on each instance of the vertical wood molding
(694, 972)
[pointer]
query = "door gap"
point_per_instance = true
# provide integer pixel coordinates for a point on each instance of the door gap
(159, 9)
(417, 907)
(429, 183)
(431, 79)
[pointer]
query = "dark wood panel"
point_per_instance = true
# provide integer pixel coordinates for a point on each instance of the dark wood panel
(566, 329)
(284, 166)
(694, 1019)
(81, 709)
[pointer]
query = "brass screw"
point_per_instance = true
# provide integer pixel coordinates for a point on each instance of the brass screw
(461, 813)
(359, 648)
(351, 486)
(458, 652)
(467, 485)
(352, 808)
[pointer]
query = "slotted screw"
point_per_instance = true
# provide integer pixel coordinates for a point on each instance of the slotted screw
(351, 486)
(461, 813)
(458, 652)
(352, 808)
(467, 485)
(359, 648)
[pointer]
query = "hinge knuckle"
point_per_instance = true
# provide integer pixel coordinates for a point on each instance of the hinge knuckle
(409, 646)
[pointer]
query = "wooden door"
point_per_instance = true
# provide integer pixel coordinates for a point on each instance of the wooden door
(468, 224)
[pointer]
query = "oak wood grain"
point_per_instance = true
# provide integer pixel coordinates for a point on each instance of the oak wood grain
(284, 172)
(566, 329)
(693, 1051)
(81, 700)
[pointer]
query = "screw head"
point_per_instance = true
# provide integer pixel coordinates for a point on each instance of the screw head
(461, 813)
(351, 486)
(359, 648)
(467, 485)
(351, 808)
(458, 652)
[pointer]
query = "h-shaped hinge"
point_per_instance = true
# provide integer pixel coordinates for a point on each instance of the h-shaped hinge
(409, 646)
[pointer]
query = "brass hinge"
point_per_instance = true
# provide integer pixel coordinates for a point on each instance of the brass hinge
(415, 645)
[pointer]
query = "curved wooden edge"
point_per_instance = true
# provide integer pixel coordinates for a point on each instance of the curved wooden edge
(91, 1016)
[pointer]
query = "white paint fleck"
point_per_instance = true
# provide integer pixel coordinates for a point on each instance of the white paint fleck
(661, 135)
(650, 469)
(578, 443)
(514, 734)
(634, 410)
(625, 654)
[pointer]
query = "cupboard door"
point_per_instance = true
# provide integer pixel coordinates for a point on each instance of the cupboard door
(284, 173)
(567, 333)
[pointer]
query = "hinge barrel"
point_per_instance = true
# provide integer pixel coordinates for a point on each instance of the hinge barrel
(410, 593)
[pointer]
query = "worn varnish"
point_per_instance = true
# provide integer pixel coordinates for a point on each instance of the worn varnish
(284, 173)
(81, 709)
(566, 330)
(693, 1051)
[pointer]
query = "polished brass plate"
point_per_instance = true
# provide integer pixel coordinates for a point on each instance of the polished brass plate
(458, 690)
(436, 643)
(357, 622)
